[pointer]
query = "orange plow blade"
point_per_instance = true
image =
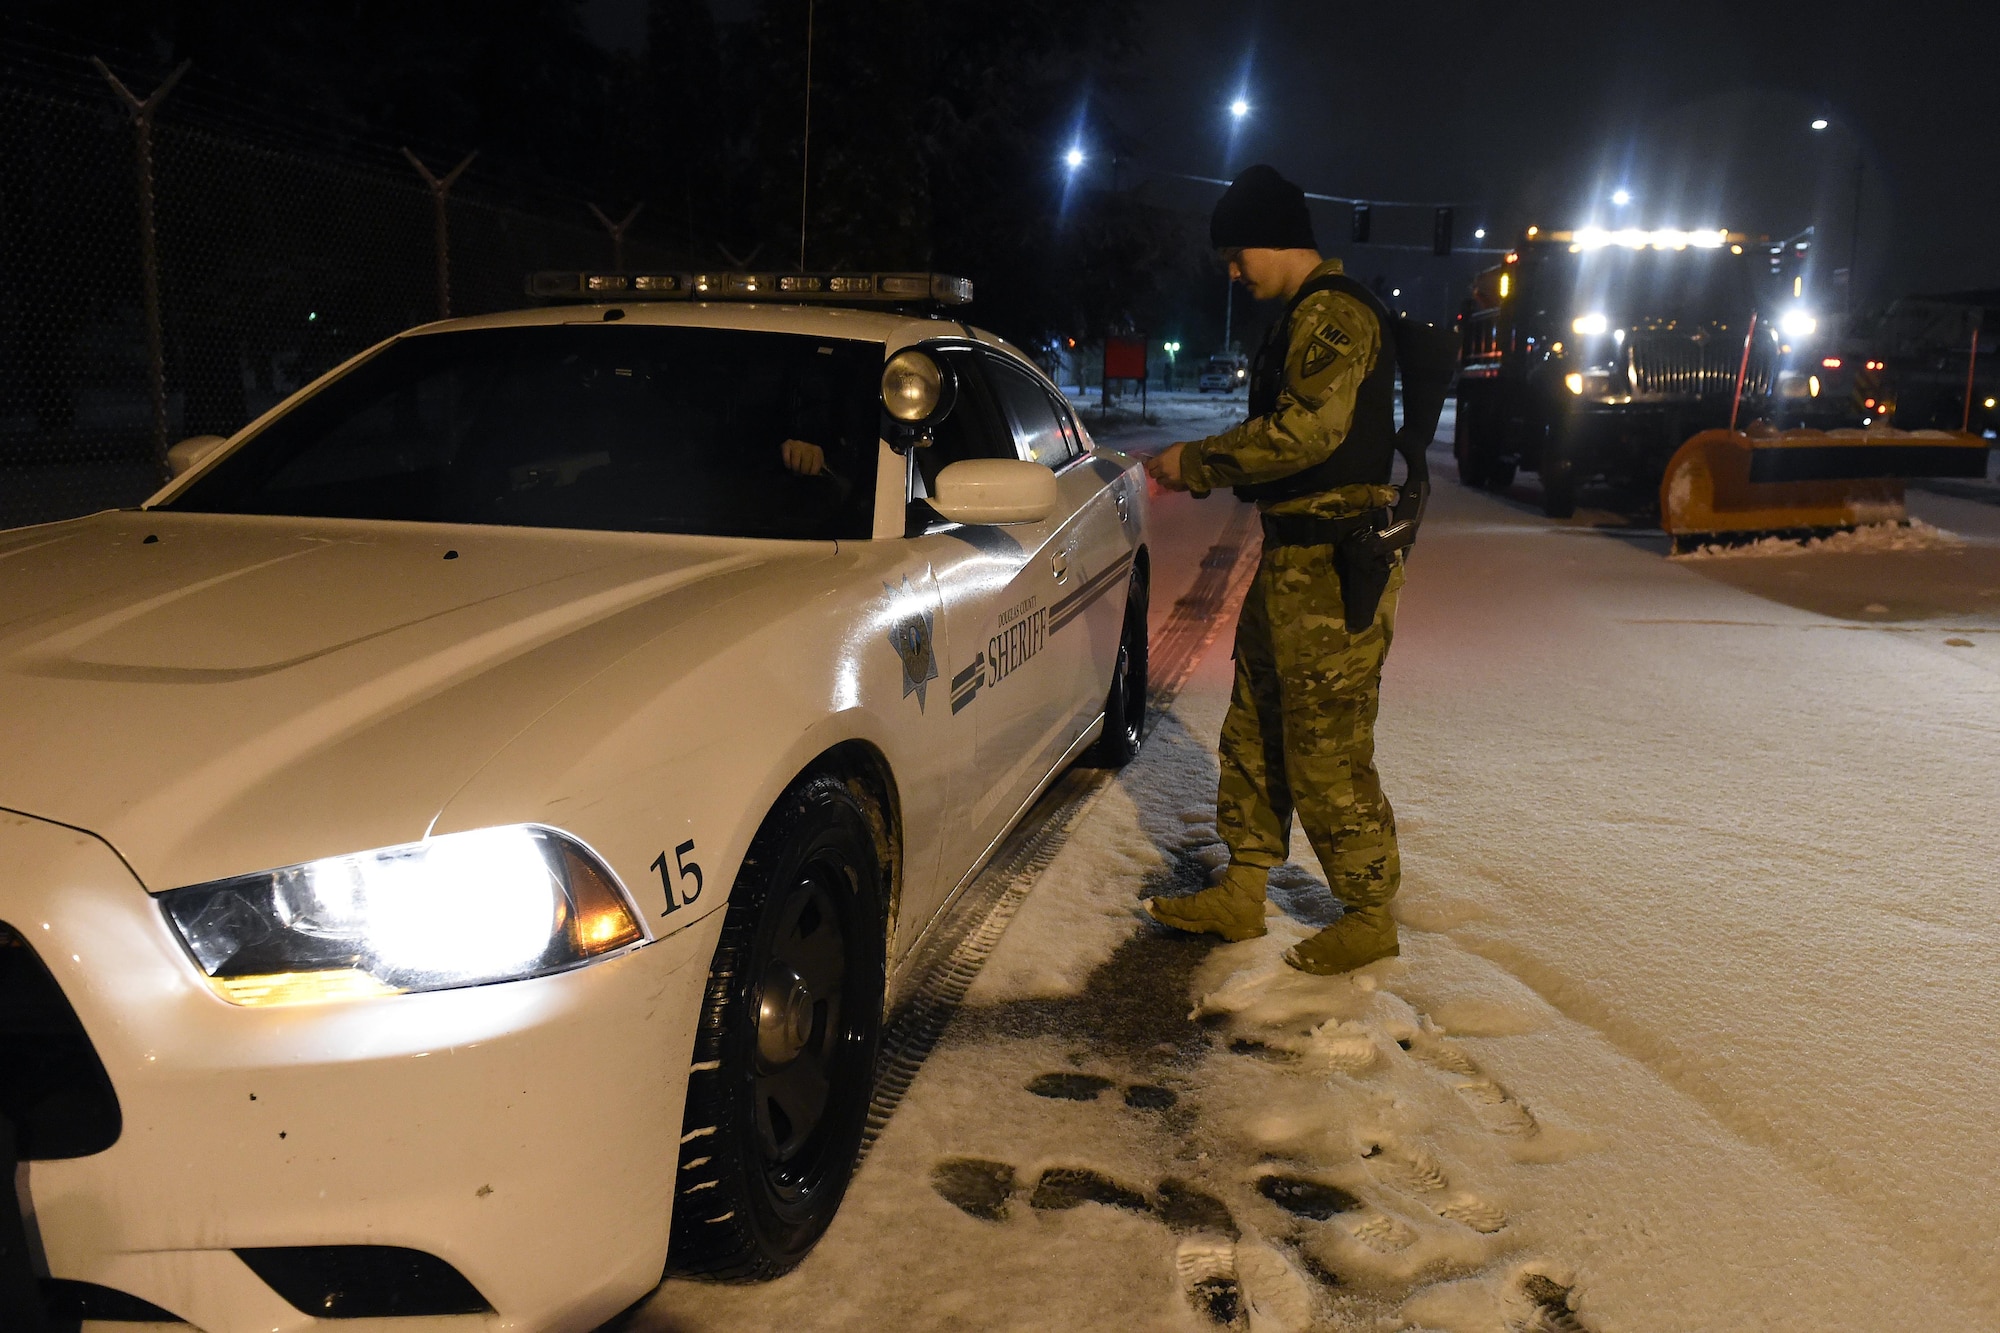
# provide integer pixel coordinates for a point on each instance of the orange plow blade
(1734, 486)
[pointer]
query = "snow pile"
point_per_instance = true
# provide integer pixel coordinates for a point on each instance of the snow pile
(1915, 535)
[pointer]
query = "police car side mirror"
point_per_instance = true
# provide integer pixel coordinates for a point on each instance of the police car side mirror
(987, 491)
(184, 456)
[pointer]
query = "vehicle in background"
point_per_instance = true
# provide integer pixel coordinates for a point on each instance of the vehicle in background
(1920, 365)
(1592, 353)
(1224, 373)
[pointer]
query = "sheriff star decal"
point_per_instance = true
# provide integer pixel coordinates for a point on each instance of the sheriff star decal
(1328, 345)
(911, 637)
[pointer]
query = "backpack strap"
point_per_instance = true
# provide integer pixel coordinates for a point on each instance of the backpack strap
(1425, 357)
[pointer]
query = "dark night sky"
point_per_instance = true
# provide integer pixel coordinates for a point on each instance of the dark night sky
(1535, 112)
(1538, 112)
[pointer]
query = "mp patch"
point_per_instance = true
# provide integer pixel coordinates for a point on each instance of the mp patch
(1329, 343)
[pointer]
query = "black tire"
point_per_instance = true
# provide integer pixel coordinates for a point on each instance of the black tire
(1499, 474)
(784, 1056)
(1125, 705)
(1465, 446)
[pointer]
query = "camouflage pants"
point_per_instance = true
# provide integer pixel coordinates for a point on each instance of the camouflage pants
(1300, 732)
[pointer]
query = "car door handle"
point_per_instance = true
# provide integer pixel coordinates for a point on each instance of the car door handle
(1059, 562)
(1124, 508)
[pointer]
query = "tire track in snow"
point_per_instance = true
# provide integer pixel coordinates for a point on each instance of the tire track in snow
(936, 980)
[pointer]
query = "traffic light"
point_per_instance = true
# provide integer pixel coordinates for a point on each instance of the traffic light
(1362, 216)
(1441, 232)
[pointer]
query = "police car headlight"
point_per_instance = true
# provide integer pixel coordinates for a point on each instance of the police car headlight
(463, 909)
(912, 386)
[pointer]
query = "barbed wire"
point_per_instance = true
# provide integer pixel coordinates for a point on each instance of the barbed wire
(282, 246)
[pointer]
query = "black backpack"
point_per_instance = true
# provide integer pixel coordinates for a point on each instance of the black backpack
(1426, 358)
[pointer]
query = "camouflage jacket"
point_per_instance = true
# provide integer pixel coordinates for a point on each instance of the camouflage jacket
(1334, 342)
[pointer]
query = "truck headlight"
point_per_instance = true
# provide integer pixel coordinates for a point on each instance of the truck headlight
(1591, 382)
(494, 904)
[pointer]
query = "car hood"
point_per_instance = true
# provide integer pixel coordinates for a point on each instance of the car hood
(218, 694)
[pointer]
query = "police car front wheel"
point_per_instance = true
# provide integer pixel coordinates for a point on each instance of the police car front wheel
(784, 1056)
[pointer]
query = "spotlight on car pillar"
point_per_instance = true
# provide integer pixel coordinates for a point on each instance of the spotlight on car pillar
(1798, 324)
(912, 386)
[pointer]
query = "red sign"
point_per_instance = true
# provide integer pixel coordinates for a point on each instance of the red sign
(1125, 358)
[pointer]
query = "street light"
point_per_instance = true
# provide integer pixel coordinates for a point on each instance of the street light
(1239, 108)
(1073, 158)
(1621, 197)
(1479, 233)
(1854, 226)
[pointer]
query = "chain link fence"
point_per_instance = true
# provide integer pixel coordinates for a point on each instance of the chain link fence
(278, 250)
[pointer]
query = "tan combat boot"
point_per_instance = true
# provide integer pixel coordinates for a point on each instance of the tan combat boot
(1361, 936)
(1233, 909)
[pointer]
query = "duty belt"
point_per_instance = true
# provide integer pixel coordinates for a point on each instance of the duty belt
(1313, 530)
(1361, 566)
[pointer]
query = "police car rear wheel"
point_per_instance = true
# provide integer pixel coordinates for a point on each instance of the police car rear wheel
(1125, 705)
(785, 1052)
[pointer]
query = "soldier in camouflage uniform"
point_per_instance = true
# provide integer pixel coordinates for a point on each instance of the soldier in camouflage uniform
(1316, 456)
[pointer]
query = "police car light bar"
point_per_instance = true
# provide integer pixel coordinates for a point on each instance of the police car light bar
(836, 288)
(1637, 238)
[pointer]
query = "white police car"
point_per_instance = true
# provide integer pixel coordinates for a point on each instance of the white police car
(458, 834)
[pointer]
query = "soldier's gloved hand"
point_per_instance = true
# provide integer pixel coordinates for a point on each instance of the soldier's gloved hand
(1165, 468)
(802, 457)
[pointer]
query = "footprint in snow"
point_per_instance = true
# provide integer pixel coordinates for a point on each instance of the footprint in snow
(1498, 1110)
(1311, 1199)
(1540, 1304)
(1086, 1087)
(1205, 1261)
(1226, 1277)
(1415, 1171)
(1234, 1281)
(987, 1190)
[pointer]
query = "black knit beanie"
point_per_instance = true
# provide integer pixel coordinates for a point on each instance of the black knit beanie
(1261, 210)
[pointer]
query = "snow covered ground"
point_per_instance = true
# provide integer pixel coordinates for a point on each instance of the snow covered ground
(1691, 1029)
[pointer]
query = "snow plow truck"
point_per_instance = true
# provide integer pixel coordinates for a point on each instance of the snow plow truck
(1633, 356)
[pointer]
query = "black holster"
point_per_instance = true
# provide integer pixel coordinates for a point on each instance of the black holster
(1361, 559)
(1364, 576)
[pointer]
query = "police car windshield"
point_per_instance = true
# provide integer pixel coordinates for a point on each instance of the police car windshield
(1702, 286)
(617, 427)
